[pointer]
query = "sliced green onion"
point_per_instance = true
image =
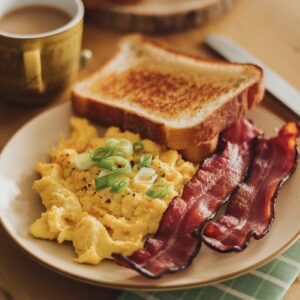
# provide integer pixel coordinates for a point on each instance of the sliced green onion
(145, 160)
(83, 161)
(111, 143)
(120, 147)
(101, 153)
(101, 182)
(116, 164)
(138, 146)
(104, 173)
(158, 190)
(144, 178)
(117, 183)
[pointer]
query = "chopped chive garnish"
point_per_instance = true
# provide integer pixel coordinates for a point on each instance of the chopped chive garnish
(101, 153)
(158, 190)
(101, 182)
(120, 147)
(83, 161)
(145, 160)
(116, 164)
(117, 183)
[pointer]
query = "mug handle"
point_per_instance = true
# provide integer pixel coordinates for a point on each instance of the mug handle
(85, 56)
(33, 70)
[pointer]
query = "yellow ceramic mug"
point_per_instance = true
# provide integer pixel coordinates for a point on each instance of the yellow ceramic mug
(34, 66)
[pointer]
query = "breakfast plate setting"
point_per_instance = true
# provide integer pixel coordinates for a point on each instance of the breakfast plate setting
(161, 172)
(21, 206)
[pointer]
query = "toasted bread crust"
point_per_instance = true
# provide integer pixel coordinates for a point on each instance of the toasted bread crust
(166, 47)
(107, 115)
(176, 138)
(201, 151)
(223, 117)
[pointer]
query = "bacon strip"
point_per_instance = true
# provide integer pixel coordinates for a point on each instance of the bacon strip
(251, 209)
(176, 243)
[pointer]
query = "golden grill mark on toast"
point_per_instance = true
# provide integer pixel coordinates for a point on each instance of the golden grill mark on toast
(172, 96)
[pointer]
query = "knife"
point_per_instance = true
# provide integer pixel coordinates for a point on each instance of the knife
(275, 84)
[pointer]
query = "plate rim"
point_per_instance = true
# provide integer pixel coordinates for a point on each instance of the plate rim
(124, 286)
(146, 288)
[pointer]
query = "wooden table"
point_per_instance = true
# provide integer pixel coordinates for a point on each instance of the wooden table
(269, 29)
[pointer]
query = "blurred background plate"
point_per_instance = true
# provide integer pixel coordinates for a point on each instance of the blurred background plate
(156, 16)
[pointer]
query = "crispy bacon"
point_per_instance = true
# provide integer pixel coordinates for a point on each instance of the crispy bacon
(251, 208)
(176, 243)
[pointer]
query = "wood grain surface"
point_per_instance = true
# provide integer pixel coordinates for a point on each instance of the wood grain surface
(269, 29)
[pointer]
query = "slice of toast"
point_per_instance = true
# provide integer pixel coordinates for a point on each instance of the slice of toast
(175, 99)
(196, 153)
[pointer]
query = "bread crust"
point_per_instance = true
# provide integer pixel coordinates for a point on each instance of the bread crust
(176, 138)
(201, 151)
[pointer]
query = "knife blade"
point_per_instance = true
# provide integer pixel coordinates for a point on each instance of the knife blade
(274, 83)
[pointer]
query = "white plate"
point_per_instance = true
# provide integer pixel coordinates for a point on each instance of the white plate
(20, 206)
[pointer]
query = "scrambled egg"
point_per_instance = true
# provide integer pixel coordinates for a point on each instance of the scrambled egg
(99, 222)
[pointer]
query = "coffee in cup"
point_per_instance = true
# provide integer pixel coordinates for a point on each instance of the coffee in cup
(33, 19)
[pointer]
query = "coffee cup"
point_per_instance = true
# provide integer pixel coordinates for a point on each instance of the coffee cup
(38, 61)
